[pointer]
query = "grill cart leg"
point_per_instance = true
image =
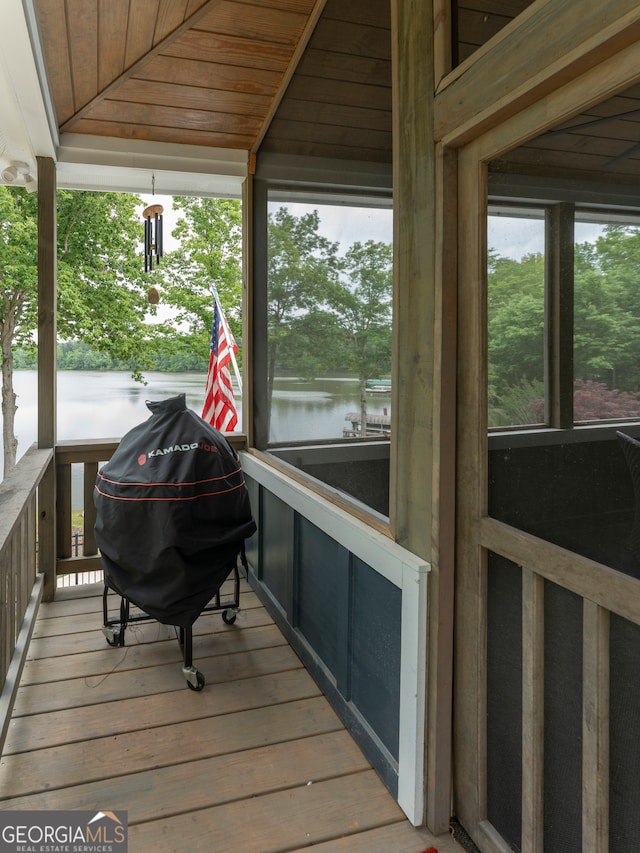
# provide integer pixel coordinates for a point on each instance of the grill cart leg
(195, 679)
(114, 629)
(230, 613)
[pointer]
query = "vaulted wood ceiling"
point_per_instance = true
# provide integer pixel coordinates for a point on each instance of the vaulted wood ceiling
(306, 77)
(202, 72)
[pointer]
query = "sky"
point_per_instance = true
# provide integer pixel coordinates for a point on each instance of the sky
(347, 225)
(512, 237)
(338, 223)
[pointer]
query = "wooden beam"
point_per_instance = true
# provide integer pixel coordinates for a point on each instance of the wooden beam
(559, 276)
(410, 504)
(523, 64)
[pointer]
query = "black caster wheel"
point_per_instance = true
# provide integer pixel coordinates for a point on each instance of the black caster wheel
(199, 683)
(113, 636)
(229, 617)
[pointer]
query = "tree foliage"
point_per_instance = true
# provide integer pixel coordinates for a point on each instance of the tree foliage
(19, 293)
(301, 264)
(209, 251)
(606, 343)
(327, 310)
(101, 289)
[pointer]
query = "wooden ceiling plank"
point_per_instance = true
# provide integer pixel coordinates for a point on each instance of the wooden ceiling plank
(82, 26)
(138, 63)
(477, 28)
(608, 146)
(304, 6)
(288, 75)
(192, 7)
(510, 8)
(373, 13)
(340, 92)
(337, 37)
(330, 152)
(330, 134)
(52, 24)
(255, 23)
(325, 113)
(113, 16)
(554, 164)
(194, 97)
(339, 66)
(171, 13)
(178, 117)
(143, 16)
(208, 75)
(595, 125)
(230, 50)
(163, 134)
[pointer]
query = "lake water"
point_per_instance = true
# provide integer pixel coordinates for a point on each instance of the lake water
(106, 404)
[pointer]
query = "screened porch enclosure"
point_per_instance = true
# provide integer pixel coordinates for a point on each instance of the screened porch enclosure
(556, 500)
(462, 590)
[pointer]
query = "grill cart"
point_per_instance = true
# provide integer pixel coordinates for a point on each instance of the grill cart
(172, 515)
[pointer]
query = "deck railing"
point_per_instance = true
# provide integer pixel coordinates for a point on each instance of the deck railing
(20, 583)
(90, 454)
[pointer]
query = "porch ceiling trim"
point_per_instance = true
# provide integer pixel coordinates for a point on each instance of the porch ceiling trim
(27, 126)
(126, 165)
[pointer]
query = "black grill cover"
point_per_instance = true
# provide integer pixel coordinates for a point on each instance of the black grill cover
(172, 513)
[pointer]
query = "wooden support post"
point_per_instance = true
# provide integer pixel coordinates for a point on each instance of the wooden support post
(532, 712)
(47, 334)
(423, 403)
(559, 276)
(595, 728)
(89, 547)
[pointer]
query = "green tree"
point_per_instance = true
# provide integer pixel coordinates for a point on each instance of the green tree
(301, 265)
(209, 232)
(616, 259)
(18, 309)
(606, 345)
(361, 303)
(515, 321)
(101, 286)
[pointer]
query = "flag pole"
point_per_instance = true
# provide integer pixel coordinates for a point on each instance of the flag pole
(228, 334)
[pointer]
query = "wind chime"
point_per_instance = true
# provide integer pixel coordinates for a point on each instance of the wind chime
(152, 216)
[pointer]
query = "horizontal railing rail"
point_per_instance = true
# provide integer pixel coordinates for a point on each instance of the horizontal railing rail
(20, 583)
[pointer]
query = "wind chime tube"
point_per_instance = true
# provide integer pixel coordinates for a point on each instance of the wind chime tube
(152, 235)
(147, 243)
(158, 236)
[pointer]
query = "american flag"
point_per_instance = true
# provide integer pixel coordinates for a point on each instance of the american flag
(219, 404)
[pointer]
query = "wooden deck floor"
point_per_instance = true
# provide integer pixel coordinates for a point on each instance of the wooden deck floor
(257, 762)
